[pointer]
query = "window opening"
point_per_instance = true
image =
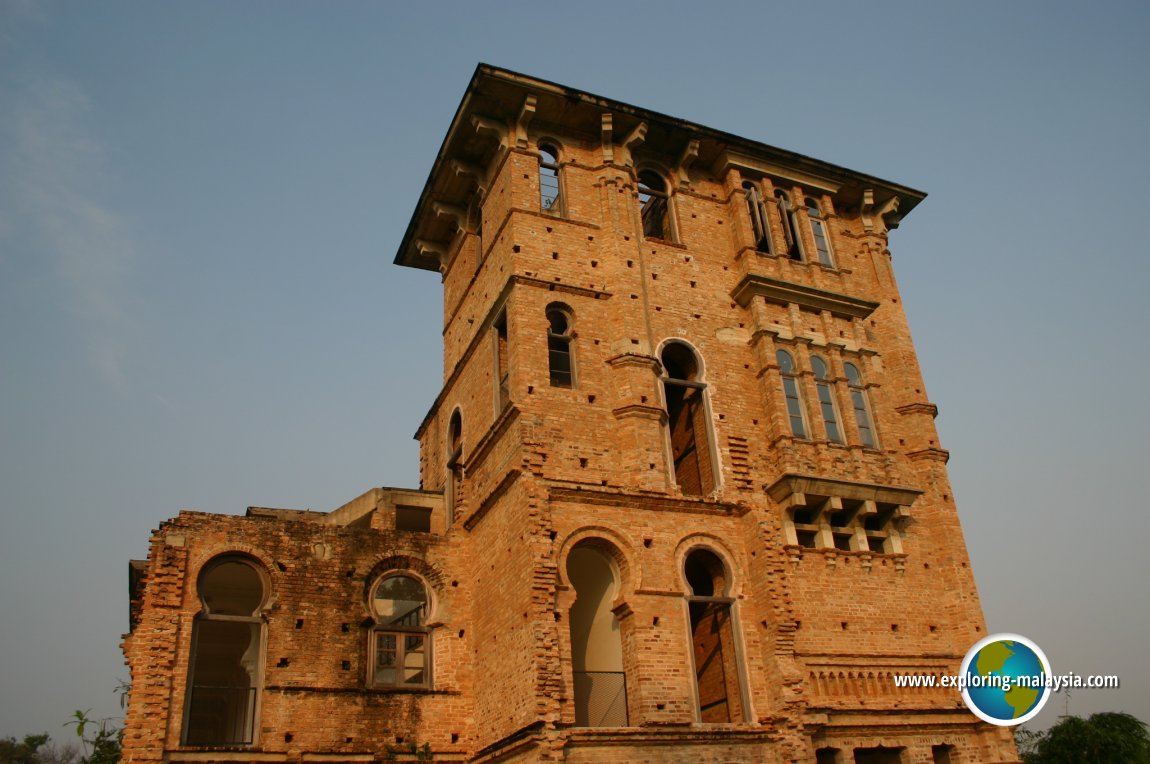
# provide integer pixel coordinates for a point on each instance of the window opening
(879, 755)
(687, 420)
(654, 205)
(712, 638)
(842, 528)
(454, 465)
(400, 641)
(758, 212)
(861, 405)
(790, 230)
(819, 230)
(227, 649)
(548, 178)
(416, 519)
(559, 347)
(596, 648)
(791, 393)
(826, 399)
(502, 367)
(940, 754)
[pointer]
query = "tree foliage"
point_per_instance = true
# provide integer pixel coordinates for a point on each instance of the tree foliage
(1104, 738)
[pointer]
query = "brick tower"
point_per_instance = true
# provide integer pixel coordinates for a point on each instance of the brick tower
(681, 495)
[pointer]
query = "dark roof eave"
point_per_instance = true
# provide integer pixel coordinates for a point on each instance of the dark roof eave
(910, 197)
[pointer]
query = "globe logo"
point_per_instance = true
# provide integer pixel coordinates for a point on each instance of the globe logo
(1005, 679)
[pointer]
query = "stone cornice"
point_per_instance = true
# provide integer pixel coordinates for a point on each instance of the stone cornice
(786, 292)
(792, 483)
(919, 408)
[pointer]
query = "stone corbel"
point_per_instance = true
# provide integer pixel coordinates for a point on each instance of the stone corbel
(454, 213)
(605, 136)
(494, 128)
(826, 536)
(879, 219)
(686, 159)
(432, 251)
(526, 114)
(633, 140)
(475, 172)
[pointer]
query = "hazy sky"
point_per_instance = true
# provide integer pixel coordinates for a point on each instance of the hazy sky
(200, 203)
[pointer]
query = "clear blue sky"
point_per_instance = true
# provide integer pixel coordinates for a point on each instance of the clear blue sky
(200, 202)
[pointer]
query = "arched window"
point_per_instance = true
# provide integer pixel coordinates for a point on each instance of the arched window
(791, 394)
(861, 406)
(549, 193)
(716, 660)
(654, 206)
(559, 358)
(227, 650)
(819, 231)
(826, 399)
(454, 465)
(794, 247)
(760, 227)
(400, 643)
(687, 420)
(596, 649)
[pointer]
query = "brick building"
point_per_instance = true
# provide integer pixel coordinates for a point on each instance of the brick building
(681, 495)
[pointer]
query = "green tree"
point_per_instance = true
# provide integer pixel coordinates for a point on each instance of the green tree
(22, 752)
(104, 743)
(1104, 738)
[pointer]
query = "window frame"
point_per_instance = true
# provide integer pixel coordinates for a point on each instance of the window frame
(820, 231)
(259, 627)
(826, 399)
(860, 403)
(725, 602)
(790, 383)
(555, 207)
(709, 480)
(645, 194)
(760, 220)
(566, 339)
(501, 349)
(453, 464)
(401, 634)
(792, 242)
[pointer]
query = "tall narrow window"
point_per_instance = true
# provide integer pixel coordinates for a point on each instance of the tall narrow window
(549, 200)
(861, 405)
(400, 643)
(227, 649)
(758, 212)
(712, 638)
(475, 222)
(596, 649)
(794, 247)
(559, 346)
(791, 393)
(819, 231)
(502, 365)
(654, 206)
(454, 466)
(826, 399)
(687, 420)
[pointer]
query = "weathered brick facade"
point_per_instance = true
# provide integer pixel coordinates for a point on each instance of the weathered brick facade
(767, 542)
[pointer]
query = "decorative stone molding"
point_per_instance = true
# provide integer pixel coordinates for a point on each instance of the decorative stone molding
(879, 218)
(788, 293)
(686, 159)
(526, 114)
